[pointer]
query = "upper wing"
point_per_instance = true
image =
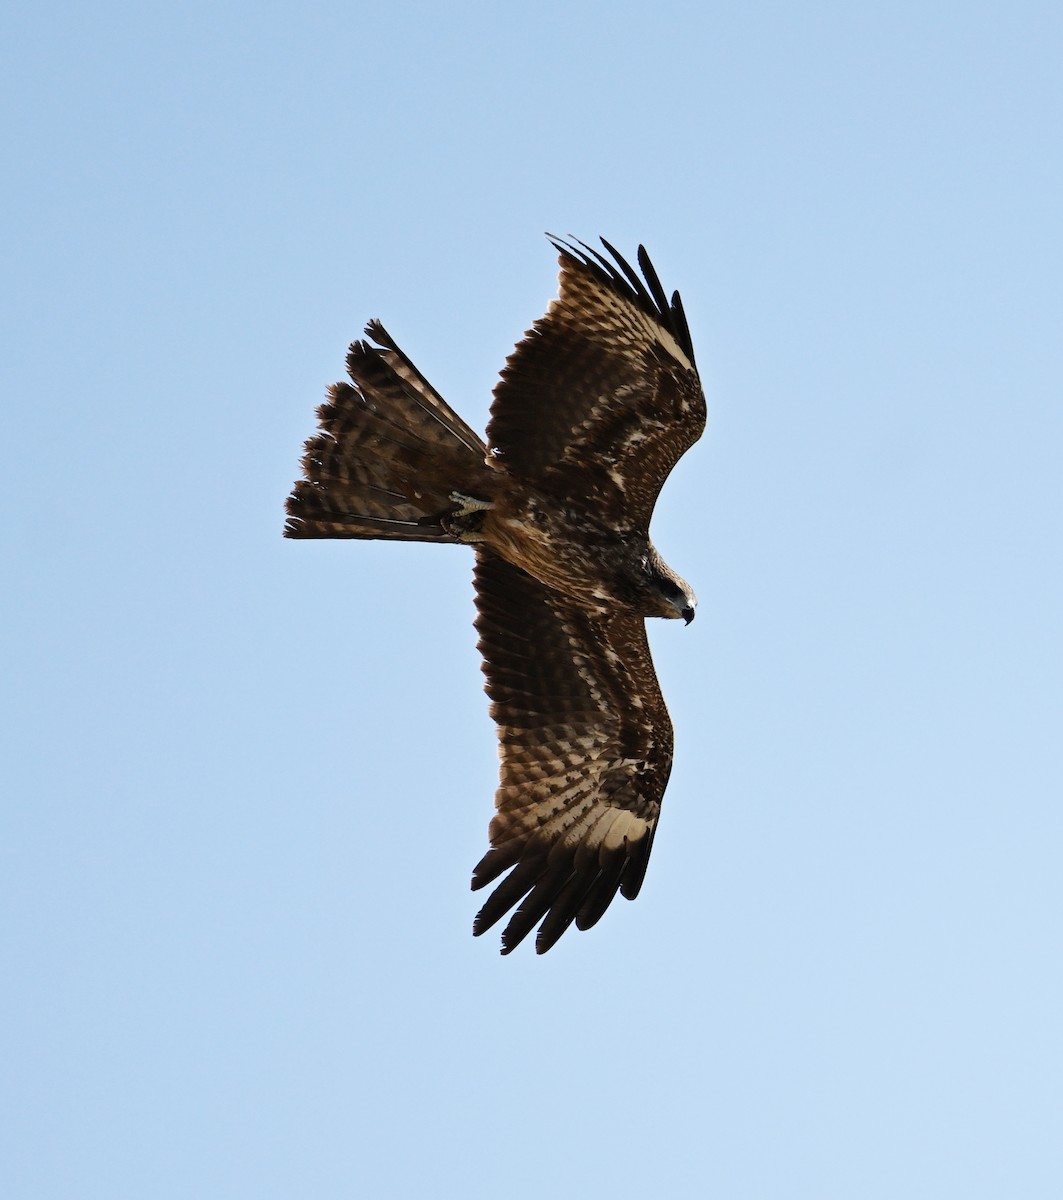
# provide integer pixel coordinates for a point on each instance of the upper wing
(586, 750)
(602, 396)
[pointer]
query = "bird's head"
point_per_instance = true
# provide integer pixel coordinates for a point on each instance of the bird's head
(679, 598)
(672, 595)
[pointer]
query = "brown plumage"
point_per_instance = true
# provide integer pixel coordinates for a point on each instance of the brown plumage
(592, 411)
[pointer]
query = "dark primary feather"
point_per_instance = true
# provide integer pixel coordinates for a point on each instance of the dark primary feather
(625, 282)
(586, 750)
(601, 397)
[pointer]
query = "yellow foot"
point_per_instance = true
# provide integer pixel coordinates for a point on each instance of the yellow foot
(467, 505)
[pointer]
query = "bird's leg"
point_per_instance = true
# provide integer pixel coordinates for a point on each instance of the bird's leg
(467, 505)
(466, 520)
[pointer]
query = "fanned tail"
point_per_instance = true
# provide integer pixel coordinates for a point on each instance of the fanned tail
(388, 454)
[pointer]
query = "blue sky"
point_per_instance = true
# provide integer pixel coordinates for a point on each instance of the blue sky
(246, 780)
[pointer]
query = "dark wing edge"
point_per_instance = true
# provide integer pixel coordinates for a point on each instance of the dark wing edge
(646, 293)
(585, 743)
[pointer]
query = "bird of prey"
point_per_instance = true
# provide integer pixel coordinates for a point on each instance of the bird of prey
(593, 409)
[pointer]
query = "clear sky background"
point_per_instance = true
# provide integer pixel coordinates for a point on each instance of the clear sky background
(246, 779)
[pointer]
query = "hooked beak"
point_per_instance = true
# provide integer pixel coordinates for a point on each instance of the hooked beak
(688, 614)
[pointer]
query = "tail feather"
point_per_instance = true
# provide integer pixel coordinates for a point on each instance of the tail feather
(430, 400)
(388, 453)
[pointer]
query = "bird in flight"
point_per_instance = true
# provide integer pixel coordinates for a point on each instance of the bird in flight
(593, 409)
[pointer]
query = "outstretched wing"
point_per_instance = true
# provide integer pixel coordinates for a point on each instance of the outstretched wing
(586, 749)
(602, 397)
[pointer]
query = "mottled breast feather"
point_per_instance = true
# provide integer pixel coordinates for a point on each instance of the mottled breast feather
(585, 743)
